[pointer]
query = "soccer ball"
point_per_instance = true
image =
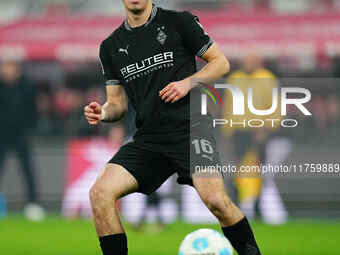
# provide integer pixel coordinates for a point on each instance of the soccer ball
(205, 242)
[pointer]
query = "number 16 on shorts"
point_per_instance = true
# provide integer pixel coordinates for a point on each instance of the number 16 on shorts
(203, 148)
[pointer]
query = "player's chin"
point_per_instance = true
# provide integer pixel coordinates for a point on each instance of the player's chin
(136, 10)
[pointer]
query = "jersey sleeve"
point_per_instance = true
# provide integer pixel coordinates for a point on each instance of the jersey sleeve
(192, 32)
(107, 67)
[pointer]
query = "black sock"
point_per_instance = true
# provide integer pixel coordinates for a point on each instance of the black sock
(114, 244)
(242, 238)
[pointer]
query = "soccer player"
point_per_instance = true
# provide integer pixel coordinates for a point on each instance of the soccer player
(150, 59)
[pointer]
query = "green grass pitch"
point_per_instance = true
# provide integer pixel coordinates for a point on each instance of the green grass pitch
(57, 236)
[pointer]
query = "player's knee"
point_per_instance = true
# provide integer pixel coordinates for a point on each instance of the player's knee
(95, 194)
(100, 195)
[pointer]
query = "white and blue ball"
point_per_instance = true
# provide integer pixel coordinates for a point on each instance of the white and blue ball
(205, 242)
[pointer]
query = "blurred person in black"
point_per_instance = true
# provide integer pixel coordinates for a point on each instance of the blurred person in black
(19, 110)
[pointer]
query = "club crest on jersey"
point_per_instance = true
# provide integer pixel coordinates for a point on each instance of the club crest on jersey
(161, 37)
(122, 50)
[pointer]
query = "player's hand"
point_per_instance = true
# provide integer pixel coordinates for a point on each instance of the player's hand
(175, 91)
(93, 113)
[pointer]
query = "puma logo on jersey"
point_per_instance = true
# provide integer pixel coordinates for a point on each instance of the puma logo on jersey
(207, 157)
(122, 50)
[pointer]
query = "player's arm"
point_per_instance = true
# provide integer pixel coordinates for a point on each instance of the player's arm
(217, 66)
(197, 41)
(113, 110)
(116, 99)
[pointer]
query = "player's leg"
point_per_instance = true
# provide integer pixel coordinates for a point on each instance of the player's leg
(113, 183)
(211, 189)
(234, 225)
(136, 167)
(213, 194)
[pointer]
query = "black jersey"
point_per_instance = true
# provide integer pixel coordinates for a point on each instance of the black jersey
(145, 59)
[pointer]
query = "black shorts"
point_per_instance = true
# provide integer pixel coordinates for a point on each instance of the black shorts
(153, 163)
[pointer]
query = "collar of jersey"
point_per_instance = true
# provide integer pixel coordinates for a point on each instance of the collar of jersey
(152, 16)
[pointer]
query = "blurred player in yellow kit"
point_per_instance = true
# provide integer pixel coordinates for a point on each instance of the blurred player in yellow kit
(255, 146)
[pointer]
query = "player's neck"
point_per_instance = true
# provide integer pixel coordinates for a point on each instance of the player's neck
(137, 20)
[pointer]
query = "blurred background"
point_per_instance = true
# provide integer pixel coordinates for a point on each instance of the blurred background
(49, 69)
